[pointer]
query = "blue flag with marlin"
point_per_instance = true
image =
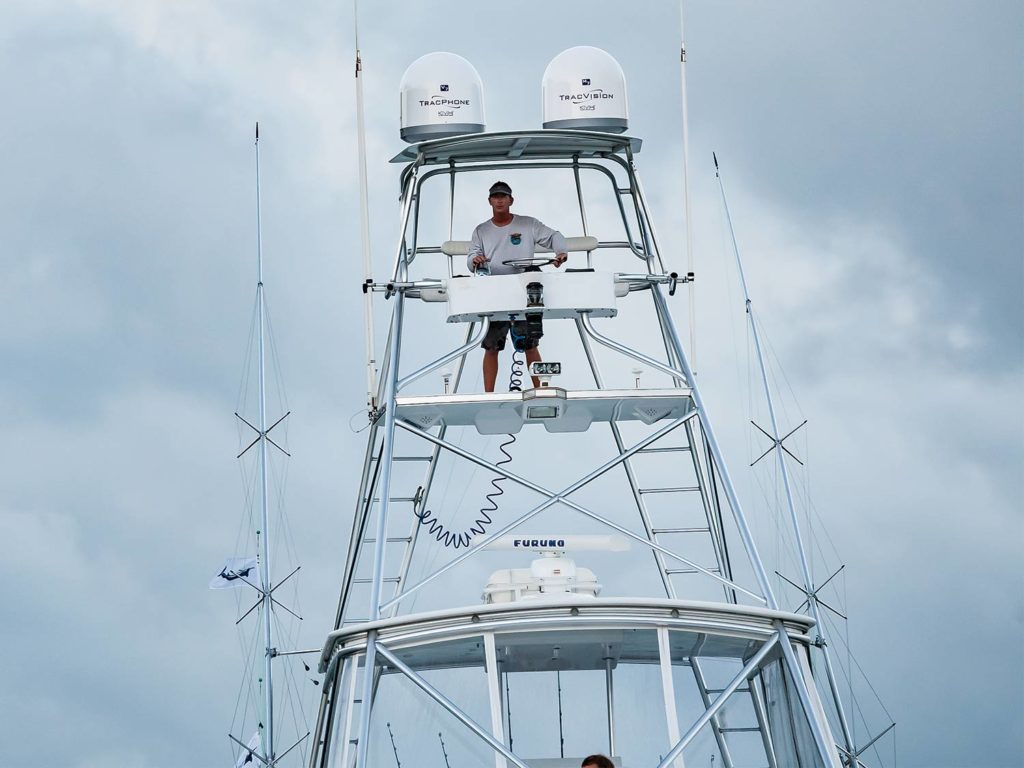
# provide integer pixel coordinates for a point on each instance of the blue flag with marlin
(237, 572)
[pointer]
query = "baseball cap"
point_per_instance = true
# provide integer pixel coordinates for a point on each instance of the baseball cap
(500, 188)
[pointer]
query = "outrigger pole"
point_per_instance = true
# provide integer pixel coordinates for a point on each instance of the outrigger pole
(266, 587)
(808, 584)
(364, 227)
(267, 735)
(687, 211)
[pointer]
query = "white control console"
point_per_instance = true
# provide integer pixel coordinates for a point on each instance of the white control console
(566, 294)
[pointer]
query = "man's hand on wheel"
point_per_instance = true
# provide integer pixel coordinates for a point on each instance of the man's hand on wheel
(560, 259)
(478, 260)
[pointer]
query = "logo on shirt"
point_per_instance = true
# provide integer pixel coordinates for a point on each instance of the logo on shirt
(516, 238)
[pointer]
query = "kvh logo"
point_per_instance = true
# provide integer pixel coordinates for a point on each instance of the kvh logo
(586, 81)
(539, 543)
(444, 87)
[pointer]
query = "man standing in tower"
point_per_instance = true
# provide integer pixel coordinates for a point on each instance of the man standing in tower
(503, 237)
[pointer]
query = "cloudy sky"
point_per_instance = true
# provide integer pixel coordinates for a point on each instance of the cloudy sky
(874, 158)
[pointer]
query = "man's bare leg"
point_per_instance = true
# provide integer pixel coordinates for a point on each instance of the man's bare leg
(490, 369)
(533, 356)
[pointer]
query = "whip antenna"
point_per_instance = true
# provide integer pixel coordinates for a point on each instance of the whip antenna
(364, 228)
(687, 212)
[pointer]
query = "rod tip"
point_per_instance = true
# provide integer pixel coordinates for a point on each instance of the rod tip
(257, 130)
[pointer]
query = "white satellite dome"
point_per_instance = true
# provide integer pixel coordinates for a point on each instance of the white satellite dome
(584, 88)
(442, 95)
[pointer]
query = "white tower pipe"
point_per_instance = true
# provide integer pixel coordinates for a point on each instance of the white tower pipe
(364, 227)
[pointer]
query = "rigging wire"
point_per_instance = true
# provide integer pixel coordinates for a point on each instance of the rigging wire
(846, 670)
(294, 703)
(246, 689)
(818, 534)
(394, 748)
(561, 734)
(241, 399)
(443, 750)
(849, 654)
(247, 693)
(860, 669)
(508, 710)
(261, 352)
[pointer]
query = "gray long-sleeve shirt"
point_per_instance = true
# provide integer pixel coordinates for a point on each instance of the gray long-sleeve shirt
(515, 240)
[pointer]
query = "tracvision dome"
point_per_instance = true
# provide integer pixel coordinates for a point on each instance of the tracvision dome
(584, 88)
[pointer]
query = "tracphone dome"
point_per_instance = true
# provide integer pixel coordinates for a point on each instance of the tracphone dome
(441, 95)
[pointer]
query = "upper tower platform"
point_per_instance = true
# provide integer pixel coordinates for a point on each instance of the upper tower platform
(499, 146)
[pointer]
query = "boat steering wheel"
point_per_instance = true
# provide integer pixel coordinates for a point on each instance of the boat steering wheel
(529, 261)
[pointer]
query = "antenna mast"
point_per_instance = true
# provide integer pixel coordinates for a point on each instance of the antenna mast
(265, 583)
(808, 584)
(364, 226)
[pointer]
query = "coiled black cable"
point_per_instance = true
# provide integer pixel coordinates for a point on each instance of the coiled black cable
(479, 527)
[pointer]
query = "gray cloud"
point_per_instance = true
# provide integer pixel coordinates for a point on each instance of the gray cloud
(873, 156)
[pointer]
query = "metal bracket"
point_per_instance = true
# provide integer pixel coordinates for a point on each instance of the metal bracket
(777, 442)
(269, 594)
(392, 287)
(852, 759)
(273, 761)
(262, 434)
(813, 595)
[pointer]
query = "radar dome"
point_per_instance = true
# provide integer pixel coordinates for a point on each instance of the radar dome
(584, 88)
(442, 95)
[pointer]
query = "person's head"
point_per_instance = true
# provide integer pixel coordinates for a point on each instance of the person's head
(500, 197)
(597, 761)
